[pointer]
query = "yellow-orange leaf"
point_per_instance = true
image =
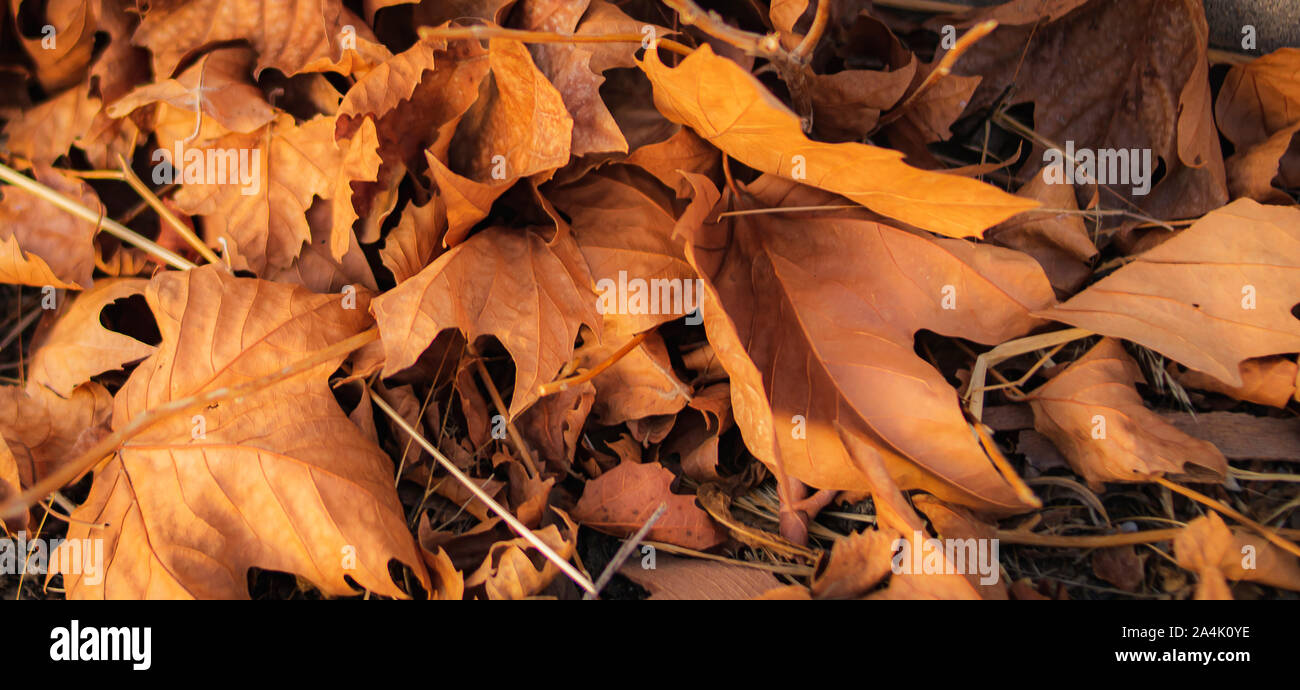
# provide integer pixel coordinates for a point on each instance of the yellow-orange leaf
(733, 111)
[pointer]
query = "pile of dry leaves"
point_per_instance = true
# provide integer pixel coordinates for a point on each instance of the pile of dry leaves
(815, 299)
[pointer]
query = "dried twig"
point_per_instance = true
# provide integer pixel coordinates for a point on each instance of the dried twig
(625, 550)
(526, 455)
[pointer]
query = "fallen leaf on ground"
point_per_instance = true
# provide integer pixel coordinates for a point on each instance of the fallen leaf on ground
(731, 110)
(622, 499)
(177, 504)
(1216, 294)
(1094, 415)
(1216, 554)
(79, 347)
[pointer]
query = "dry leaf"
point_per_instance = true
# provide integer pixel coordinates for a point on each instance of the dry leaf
(846, 355)
(519, 127)
(1257, 110)
(41, 430)
(510, 283)
(43, 245)
(624, 498)
(312, 36)
(180, 509)
(1266, 381)
(1216, 554)
(1138, 78)
(1058, 241)
(856, 565)
(1217, 293)
(1094, 415)
(688, 579)
(220, 85)
(262, 217)
(79, 347)
(730, 109)
(508, 571)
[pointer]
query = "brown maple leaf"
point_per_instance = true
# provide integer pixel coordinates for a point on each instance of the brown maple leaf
(519, 127)
(219, 85)
(815, 328)
(568, 68)
(61, 62)
(689, 579)
(1094, 415)
(506, 282)
(1138, 78)
(41, 244)
(262, 215)
(277, 479)
(42, 430)
(416, 98)
(1258, 110)
(311, 36)
(1264, 380)
(1216, 554)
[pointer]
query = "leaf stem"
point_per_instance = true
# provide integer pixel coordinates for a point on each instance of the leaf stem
(941, 70)
(804, 50)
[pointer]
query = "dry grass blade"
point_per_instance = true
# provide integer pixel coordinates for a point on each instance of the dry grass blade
(975, 392)
(109, 225)
(165, 213)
